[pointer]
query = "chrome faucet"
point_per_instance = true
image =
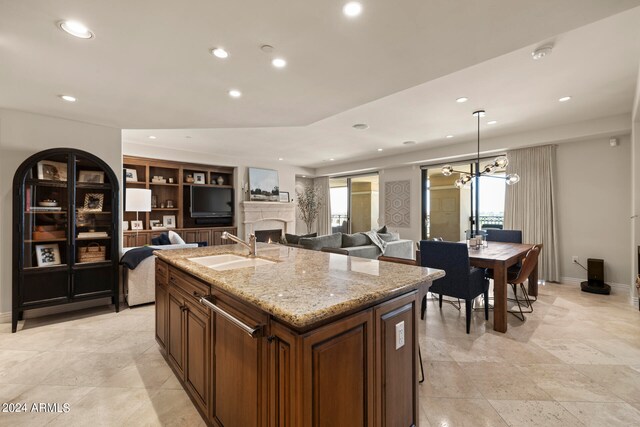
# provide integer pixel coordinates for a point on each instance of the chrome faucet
(251, 245)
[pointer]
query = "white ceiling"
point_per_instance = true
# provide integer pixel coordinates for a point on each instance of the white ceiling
(398, 67)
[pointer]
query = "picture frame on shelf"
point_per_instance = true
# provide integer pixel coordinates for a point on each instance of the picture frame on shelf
(137, 225)
(52, 171)
(199, 178)
(130, 175)
(284, 197)
(48, 254)
(93, 202)
(169, 221)
(125, 225)
(154, 223)
(93, 177)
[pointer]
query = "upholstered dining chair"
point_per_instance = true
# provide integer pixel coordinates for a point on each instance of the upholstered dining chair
(461, 280)
(508, 236)
(518, 279)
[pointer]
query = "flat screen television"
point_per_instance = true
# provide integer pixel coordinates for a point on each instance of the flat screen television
(208, 202)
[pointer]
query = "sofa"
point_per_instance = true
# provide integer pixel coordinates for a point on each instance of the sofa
(140, 283)
(359, 245)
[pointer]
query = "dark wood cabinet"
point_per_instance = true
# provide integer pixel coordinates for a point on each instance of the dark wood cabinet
(346, 371)
(210, 236)
(65, 239)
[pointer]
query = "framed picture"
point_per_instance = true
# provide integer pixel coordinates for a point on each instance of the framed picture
(52, 171)
(169, 221)
(264, 185)
(93, 202)
(154, 223)
(131, 175)
(137, 225)
(284, 196)
(48, 254)
(96, 177)
(198, 178)
(125, 225)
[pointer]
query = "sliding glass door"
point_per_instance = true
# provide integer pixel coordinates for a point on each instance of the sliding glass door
(449, 211)
(355, 203)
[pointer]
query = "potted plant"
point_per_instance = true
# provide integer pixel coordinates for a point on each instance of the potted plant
(309, 203)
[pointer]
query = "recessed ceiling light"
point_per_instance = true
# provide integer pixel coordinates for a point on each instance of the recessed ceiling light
(152, 137)
(380, 149)
(235, 93)
(304, 176)
(331, 160)
(219, 53)
(449, 136)
(68, 98)
(409, 143)
(279, 63)
(280, 158)
(361, 126)
(462, 99)
(565, 99)
(76, 29)
(352, 9)
(492, 122)
(541, 52)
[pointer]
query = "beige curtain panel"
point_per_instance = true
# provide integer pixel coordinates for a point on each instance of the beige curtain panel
(530, 204)
(324, 214)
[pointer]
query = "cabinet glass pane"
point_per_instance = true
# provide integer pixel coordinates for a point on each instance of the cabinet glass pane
(94, 211)
(45, 228)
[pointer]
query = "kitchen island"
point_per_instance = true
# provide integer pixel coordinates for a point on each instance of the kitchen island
(292, 337)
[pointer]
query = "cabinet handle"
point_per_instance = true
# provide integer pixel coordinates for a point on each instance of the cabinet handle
(253, 332)
(196, 294)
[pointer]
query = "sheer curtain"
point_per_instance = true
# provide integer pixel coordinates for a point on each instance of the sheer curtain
(530, 204)
(324, 215)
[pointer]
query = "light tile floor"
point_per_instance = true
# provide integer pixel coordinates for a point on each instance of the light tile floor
(575, 361)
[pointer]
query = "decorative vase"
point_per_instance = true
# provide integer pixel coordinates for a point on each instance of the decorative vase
(220, 180)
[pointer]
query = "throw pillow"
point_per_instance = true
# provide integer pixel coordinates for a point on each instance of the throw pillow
(389, 237)
(356, 239)
(382, 230)
(175, 238)
(295, 239)
(317, 243)
(162, 239)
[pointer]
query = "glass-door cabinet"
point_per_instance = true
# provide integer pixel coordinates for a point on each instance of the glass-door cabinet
(65, 240)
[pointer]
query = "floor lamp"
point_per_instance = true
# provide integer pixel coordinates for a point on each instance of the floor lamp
(138, 200)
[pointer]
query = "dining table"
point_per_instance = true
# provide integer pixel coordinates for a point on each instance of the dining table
(499, 256)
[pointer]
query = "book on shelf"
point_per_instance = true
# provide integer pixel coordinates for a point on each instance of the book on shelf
(92, 234)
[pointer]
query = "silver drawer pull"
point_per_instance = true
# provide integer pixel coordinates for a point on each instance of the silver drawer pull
(254, 332)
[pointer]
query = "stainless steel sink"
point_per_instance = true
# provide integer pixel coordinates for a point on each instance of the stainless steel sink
(229, 262)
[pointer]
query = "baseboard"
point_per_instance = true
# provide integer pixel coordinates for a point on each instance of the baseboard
(57, 309)
(616, 288)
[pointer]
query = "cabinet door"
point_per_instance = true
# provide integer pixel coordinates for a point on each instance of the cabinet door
(198, 354)
(338, 373)
(282, 377)
(175, 336)
(397, 368)
(129, 240)
(241, 374)
(162, 306)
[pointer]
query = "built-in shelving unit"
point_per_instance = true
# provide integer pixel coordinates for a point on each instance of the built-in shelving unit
(59, 195)
(170, 197)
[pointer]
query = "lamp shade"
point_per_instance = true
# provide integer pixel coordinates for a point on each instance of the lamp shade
(138, 200)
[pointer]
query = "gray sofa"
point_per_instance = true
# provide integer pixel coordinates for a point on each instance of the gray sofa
(359, 245)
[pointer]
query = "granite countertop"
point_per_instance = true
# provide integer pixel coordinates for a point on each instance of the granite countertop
(304, 287)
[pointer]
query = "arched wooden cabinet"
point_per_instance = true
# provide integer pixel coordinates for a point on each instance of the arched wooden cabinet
(66, 231)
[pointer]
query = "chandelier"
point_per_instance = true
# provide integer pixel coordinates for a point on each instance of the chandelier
(499, 163)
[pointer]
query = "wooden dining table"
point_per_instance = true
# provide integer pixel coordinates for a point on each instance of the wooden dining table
(499, 256)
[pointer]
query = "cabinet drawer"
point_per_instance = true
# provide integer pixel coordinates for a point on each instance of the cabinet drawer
(162, 272)
(185, 283)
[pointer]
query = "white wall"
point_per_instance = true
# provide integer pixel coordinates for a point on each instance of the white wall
(286, 173)
(23, 134)
(593, 206)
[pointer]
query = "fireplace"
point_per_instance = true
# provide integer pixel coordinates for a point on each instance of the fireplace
(268, 236)
(268, 216)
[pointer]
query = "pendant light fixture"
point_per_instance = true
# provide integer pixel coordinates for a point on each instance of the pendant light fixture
(499, 163)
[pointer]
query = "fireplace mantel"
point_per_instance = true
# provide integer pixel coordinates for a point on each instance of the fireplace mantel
(268, 215)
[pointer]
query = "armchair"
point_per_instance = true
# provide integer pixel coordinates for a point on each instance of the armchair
(462, 281)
